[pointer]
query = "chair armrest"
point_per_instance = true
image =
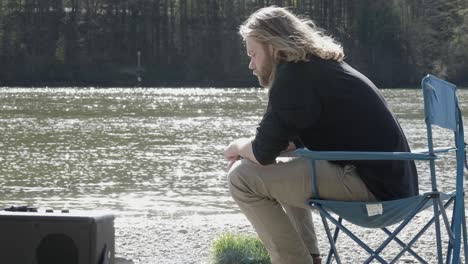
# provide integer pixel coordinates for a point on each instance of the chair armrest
(436, 150)
(362, 155)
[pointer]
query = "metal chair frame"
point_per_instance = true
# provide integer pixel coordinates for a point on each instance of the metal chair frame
(440, 108)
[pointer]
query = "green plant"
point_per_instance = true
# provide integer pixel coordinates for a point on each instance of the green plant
(239, 249)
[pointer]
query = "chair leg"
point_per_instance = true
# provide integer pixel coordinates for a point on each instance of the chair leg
(331, 240)
(446, 221)
(463, 223)
(395, 232)
(450, 245)
(335, 238)
(465, 250)
(405, 248)
(457, 241)
(437, 229)
(422, 231)
(351, 235)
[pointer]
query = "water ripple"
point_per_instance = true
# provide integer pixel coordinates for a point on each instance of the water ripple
(142, 151)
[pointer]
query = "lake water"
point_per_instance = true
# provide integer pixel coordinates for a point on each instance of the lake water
(143, 152)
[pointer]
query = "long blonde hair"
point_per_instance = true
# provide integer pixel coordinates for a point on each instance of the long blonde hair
(292, 38)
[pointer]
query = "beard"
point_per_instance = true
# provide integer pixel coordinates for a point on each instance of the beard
(264, 79)
(265, 74)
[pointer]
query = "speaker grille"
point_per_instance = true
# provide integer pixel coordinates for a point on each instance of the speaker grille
(57, 249)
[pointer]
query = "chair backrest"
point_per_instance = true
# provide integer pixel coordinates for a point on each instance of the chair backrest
(440, 102)
(441, 108)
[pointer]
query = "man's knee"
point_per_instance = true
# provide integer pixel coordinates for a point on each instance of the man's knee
(234, 176)
(241, 176)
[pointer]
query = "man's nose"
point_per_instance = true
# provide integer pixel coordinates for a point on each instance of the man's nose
(251, 64)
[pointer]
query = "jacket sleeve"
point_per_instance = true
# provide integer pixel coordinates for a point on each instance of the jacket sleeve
(292, 106)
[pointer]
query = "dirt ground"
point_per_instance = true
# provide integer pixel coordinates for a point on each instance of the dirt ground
(188, 240)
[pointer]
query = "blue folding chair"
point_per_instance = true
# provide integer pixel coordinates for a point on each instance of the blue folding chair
(441, 109)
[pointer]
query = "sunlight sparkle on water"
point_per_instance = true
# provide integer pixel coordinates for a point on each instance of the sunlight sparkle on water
(140, 151)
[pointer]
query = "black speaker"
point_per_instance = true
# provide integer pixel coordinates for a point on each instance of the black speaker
(56, 237)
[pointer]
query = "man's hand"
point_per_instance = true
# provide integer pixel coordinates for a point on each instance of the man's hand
(291, 146)
(231, 153)
(241, 147)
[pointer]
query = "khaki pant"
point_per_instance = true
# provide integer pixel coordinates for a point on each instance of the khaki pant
(273, 198)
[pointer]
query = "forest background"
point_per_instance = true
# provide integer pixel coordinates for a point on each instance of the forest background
(195, 42)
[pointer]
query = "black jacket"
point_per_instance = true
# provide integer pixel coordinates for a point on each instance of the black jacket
(328, 105)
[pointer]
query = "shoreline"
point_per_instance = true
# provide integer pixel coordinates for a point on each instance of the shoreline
(188, 240)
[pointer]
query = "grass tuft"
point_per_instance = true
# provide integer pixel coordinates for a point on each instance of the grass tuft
(239, 249)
